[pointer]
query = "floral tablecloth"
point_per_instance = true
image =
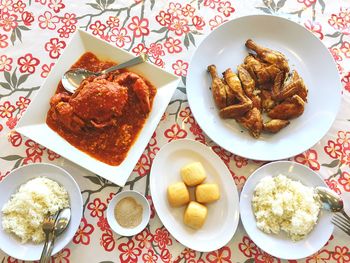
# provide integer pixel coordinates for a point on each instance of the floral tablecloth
(33, 34)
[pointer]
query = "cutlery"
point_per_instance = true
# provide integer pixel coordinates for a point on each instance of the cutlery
(48, 227)
(342, 223)
(72, 78)
(61, 224)
(334, 203)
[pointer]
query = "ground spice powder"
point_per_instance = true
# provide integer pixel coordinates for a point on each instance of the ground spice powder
(128, 212)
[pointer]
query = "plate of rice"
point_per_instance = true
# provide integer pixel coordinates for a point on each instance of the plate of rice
(281, 212)
(29, 194)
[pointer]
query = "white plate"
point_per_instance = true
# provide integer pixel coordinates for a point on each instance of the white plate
(33, 123)
(280, 245)
(30, 251)
(225, 48)
(223, 215)
(140, 199)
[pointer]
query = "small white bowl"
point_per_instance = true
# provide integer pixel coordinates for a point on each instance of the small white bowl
(140, 199)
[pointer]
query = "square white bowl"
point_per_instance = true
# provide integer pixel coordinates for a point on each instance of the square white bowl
(33, 123)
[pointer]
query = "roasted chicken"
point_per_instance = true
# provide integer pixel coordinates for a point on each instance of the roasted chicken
(263, 85)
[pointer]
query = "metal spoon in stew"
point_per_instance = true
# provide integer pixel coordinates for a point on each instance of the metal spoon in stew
(72, 78)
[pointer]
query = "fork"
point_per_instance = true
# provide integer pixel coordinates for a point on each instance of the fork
(342, 221)
(48, 227)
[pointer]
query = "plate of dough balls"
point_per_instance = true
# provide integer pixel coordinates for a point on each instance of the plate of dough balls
(194, 195)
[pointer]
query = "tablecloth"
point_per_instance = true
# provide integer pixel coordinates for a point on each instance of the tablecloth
(33, 34)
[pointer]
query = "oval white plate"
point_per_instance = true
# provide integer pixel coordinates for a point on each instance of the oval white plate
(223, 215)
(30, 251)
(140, 199)
(225, 48)
(280, 245)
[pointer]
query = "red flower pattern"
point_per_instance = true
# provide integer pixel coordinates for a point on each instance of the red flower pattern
(108, 241)
(27, 63)
(173, 45)
(145, 239)
(102, 223)
(128, 252)
(225, 8)
(315, 28)
(54, 47)
(46, 70)
(120, 37)
(143, 165)
(15, 139)
(62, 256)
(82, 236)
(175, 132)
(321, 256)
(248, 248)
(97, 207)
(176, 22)
(180, 67)
(6, 110)
(139, 26)
(150, 257)
(309, 158)
(341, 254)
(162, 238)
(3, 41)
(8, 21)
(344, 180)
(27, 18)
(47, 20)
(223, 255)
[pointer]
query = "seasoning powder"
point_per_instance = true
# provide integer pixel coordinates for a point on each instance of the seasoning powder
(128, 212)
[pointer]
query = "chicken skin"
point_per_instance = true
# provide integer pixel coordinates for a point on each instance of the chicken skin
(244, 103)
(272, 57)
(252, 121)
(275, 125)
(264, 95)
(290, 108)
(218, 88)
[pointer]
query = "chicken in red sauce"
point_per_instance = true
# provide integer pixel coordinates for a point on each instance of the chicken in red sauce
(105, 114)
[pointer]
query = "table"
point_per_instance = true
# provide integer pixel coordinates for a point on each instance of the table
(34, 33)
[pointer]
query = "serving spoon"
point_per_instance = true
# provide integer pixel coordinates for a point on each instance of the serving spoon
(331, 200)
(72, 78)
(61, 224)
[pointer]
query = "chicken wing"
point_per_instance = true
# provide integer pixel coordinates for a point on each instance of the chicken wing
(252, 121)
(288, 109)
(247, 81)
(234, 111)
(270, 56)
(275, 125)
(248, 85)
(261, 72)
(303, 90)
(218, 88)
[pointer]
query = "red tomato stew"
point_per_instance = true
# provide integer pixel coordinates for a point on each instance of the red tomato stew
(105, 115)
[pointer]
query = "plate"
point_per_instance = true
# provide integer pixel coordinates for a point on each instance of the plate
(33, 123)
(29, 251)
(140, 199)
(223, 215)
(280, 245)
(225, 48)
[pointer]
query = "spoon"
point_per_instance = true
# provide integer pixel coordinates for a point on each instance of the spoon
(62, 222)
(331, 201)
(72, 78)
